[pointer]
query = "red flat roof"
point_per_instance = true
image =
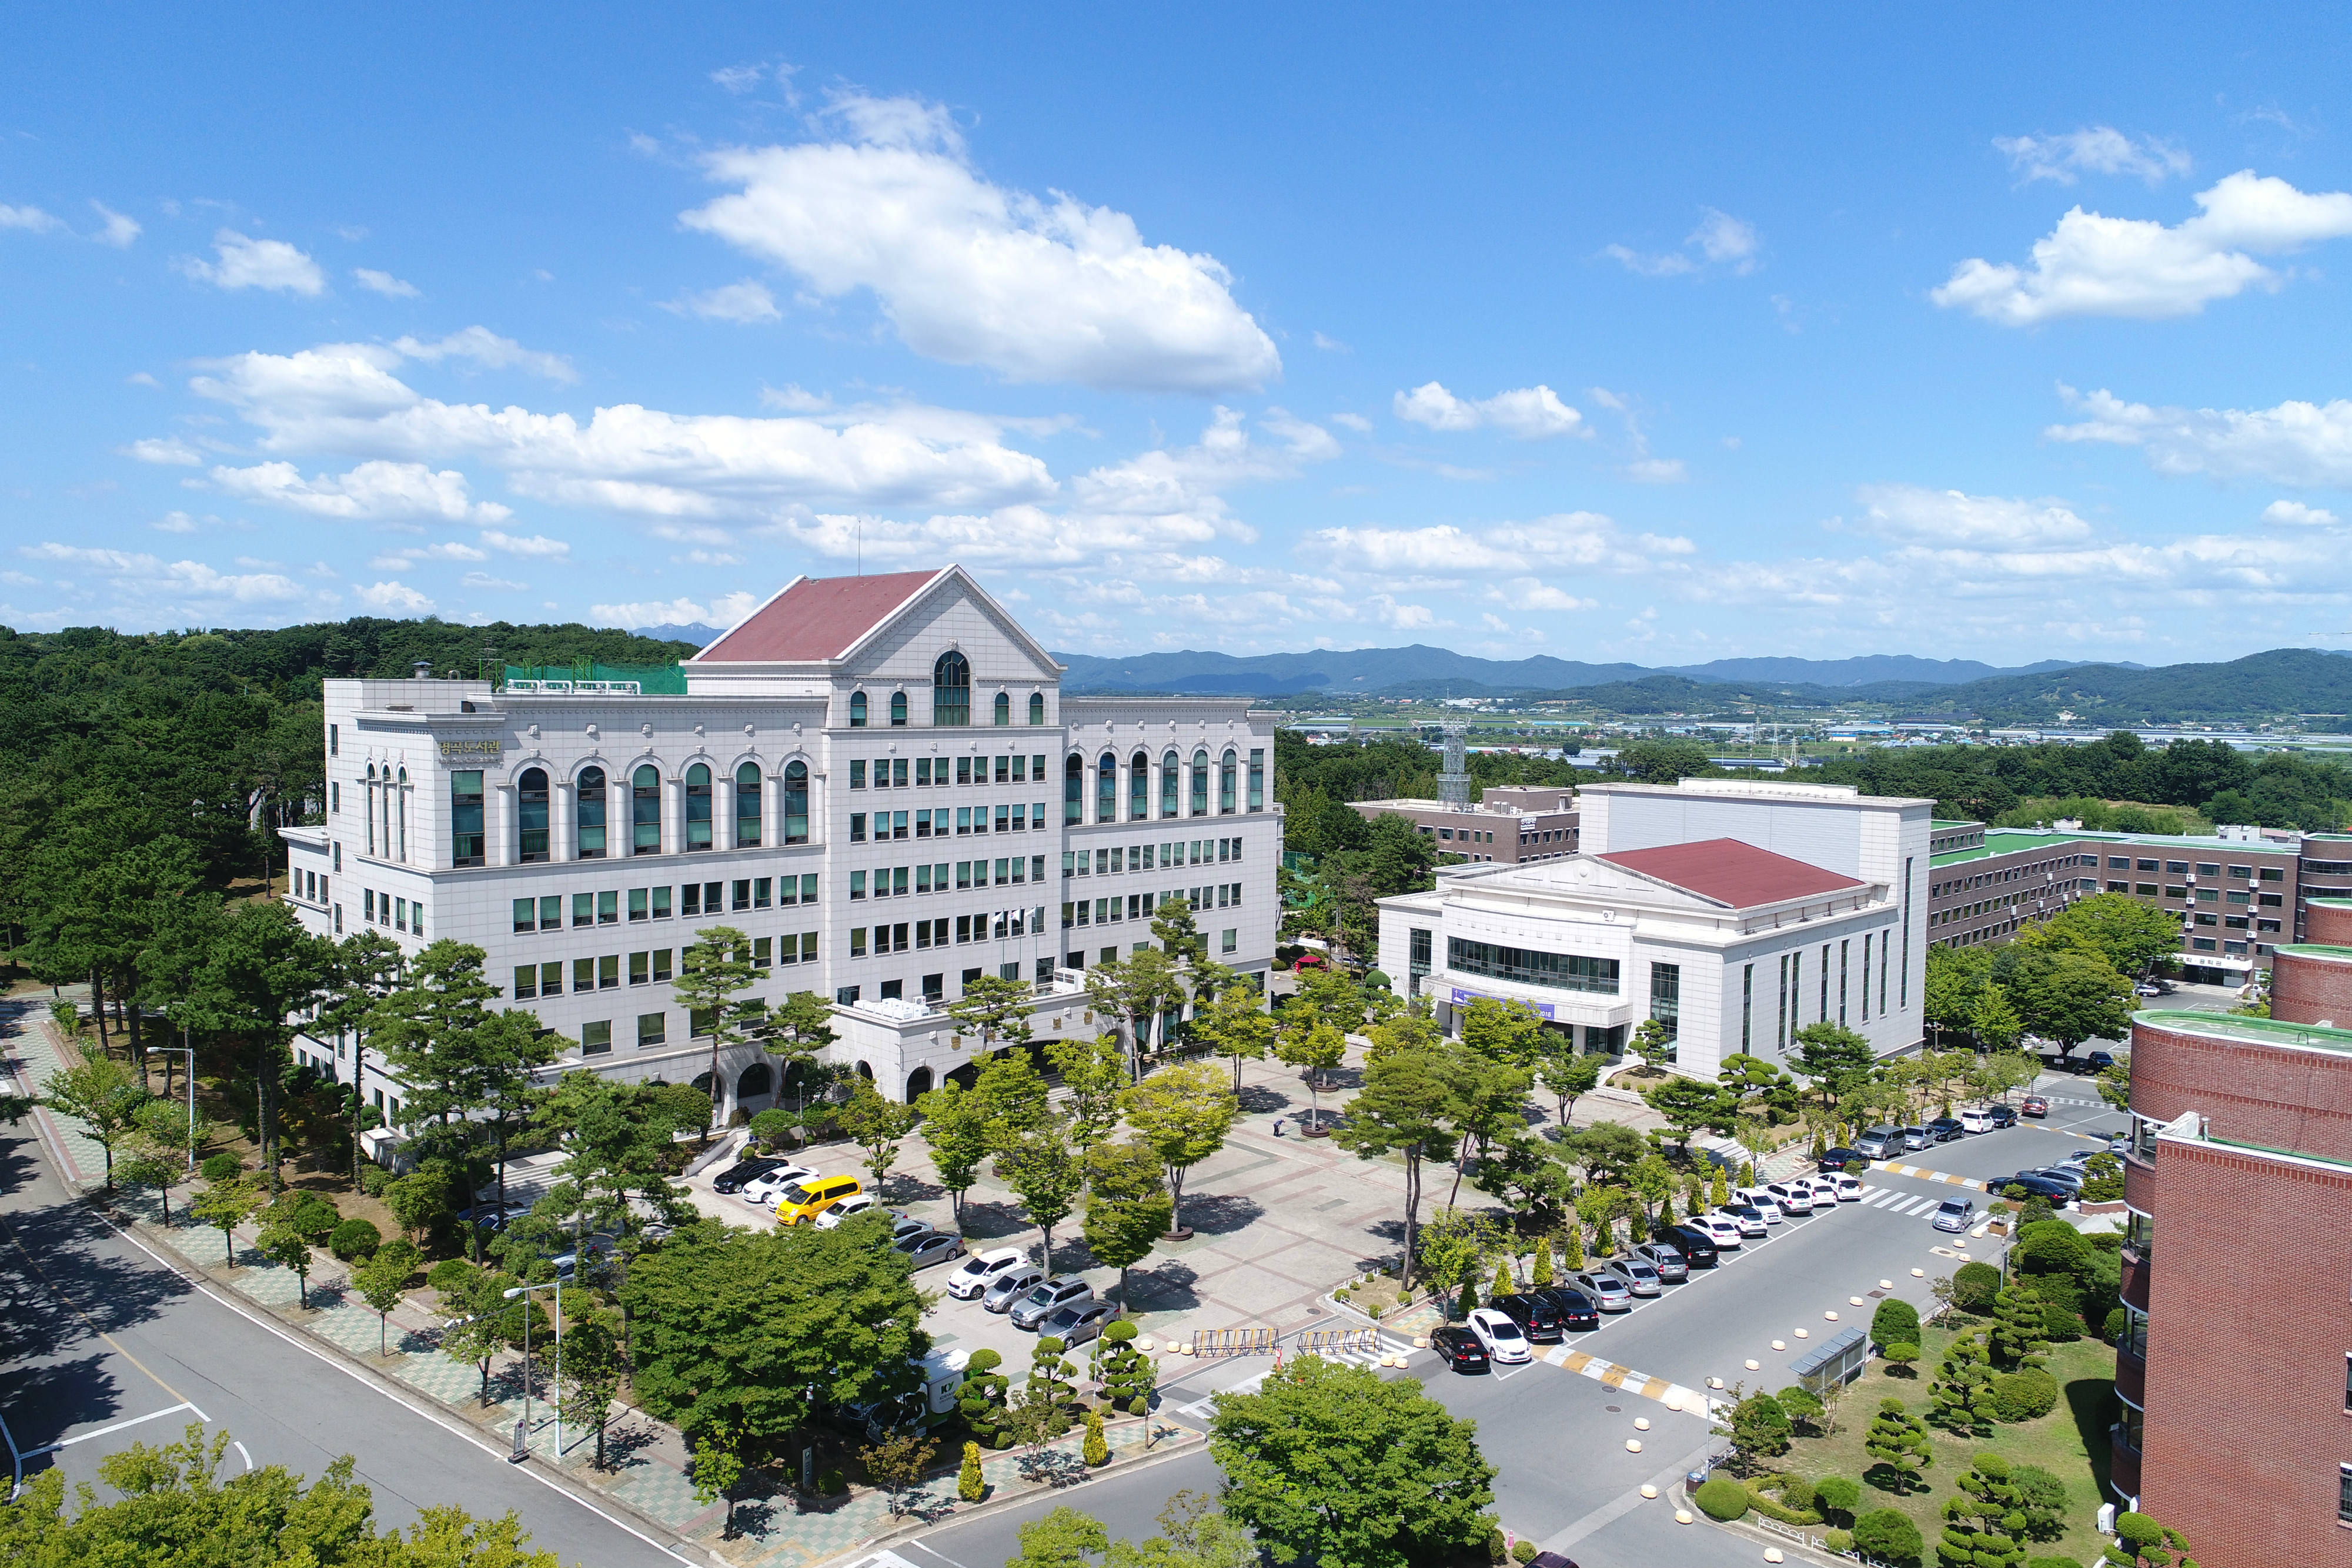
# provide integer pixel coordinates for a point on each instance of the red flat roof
(1732, 873)
(817, 618)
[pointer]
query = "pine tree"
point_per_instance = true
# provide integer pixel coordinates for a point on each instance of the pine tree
(2018, 1334)
(1097, 1451)
(1666, 1209)
(1984, 1526)
(1721, 1194)
(1572, 1249)
(1542, 1276)
(1748, 1173)
(1503, 1283)
(1898, 1440)
(970, 1485)
(1961, 1399)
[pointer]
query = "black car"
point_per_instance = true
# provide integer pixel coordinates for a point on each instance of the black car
(1946, 1129)
(1458, 1348)
(742, 1172)
(1697, 1248)
(2098, 1062)
(1843, 1159)
(1538, 1318)
(1578, 1313)
(2057, 1192)
(2002, 1115)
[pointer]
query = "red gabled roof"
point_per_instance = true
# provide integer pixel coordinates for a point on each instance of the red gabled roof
(816, 617)
(1731, 872)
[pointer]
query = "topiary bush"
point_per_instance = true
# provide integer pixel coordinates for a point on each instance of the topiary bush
(1839, 1542)
(353, 1239)
(1888, 1536)
(222, 1166)
(2026, 1394)
(1837, 1496)
(1974, 1285)
(2051, 1562)
(1899, 1357)
(1896, 1321)
(773, 1125)
(449, 1274)
(1723, 1499)
(1523, 1550)
(1797, 1493)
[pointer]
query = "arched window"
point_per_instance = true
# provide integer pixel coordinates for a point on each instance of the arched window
(757, 1080)
(951, 689)
(1139, 787)
(1201, 781)
(1004, 710)
(530, 815)
(371, 808)
(1073, 789)
(796, 803)
(1228, 780)
(858, 710)
(1107, 788)
(1170, 772)
(400, 808)
(698, 807)
(747, 806)
(1036, 707)
(918, 1083)
(591, 813)
(645, 812)
(897, 710)
(866, 1070)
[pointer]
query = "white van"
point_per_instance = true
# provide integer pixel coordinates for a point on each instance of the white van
(1976, 1119)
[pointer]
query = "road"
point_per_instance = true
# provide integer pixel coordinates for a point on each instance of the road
(106, 1347)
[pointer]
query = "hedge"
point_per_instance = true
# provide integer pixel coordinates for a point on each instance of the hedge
(1721, 1498)
(1771, 1507)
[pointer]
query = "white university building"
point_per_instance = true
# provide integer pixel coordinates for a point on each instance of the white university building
(1734, 911)
(877, 779)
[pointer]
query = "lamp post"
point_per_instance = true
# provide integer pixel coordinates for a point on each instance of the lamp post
(190, 1052)
(522, 1430)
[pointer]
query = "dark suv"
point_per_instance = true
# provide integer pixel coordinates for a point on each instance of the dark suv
(1578, 1313)
(2003, 1115)
(1697, 1248)
(1539, 1318)
(734, 1178)
(1946, 1129)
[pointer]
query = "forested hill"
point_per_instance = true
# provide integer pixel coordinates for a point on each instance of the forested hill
(212, 738)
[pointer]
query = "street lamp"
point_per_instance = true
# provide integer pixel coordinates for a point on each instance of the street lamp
(190, 1052)
(522, 1427)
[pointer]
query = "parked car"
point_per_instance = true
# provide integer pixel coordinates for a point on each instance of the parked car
(2066, 1176)
(1506, 1342)
(1849, 1189)
(2098, 1062)
(1843, 1158)
(1915, 1139)
(1793, 1197)
(1946, 1129)
(803, 1200)
(1666, 1257)
(2078, 1159)
(1976, 1119)
(597, 1252)
(1048, 1296)
(2003, 1115)
(1721, 1230)
(2119, 1144)
(1749, 1218)
(855, 1203)
(1639, 1276)
(2148, 988)
(1458, 1348)
(2033, 1105)
(1608, 1293)
(1550, 1560)
(2036, 1185)
(1009, 1286)
(1079, 1323)
(1878, 1143)
(1693, 1241)
(1537, 1317)
(982, 1269)
(764, 1188)
(929, 1247)
(1954, 1214)
(1578, 1313)
(732, 1179)
(1757, 1198)
(489, 1218)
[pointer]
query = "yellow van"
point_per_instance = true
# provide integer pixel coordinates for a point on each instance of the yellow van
(804, 1200)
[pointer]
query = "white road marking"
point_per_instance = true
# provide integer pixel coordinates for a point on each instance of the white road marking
(241, 1453)
(118, 1426)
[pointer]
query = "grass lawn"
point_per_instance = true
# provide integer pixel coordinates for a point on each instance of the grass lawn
(2071, 1442)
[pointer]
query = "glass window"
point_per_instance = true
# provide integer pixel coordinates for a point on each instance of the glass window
(698, 807)
(897, 710)
(608, 971)
(1073, 790)
(596, 1038)
(1561, 972)
(526, 915)
(858, 710)
(1227, 784)
(1201, 781)
(530, 815)
(747, 806)
(1004, 710)
(583, 909)
(1666, 997)
(640, 968)
(1107, 788)
(796, 803)
(645, 812)
(1036, 707)
(951, 689)
(653, 1029)
(608, 908)
(466, 818)
(526, 982)
(1171, 782)
(1257, 781)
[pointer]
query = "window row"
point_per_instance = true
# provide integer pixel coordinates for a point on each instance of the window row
(1116, 860)
(950, 699)
(651, 968)
(934, 986)
(929, 772)
(877, 941)
(611, 820)
(695, 900)
(1559, 971)
(309, 886)
(897, 881)
(1180, 786)
(935, 823)
(1144, 905)
(387, 811)
(397, 913)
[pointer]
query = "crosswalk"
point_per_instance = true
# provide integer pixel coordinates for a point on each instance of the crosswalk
(1201, 1409)
(1894, 1202)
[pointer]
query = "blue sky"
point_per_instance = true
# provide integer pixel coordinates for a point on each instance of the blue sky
(1662, 337)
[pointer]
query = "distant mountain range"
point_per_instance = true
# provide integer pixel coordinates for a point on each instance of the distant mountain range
(693, 632)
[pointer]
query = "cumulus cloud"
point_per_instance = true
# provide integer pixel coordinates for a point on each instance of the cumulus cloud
(1567, 540)
(383, 283)
(167, 450)
(174, 523)
(537, 545)
(2092, 265)
(484, 579)
(448, 549)
(2291, 443)
(1941, 518)
(395, 595)
(32, 220)
(179, 579)
(748, 302)
(375, 491)
(723, 611)
(1532, 594)
(1531, 413)
(1038, 289)
(114, 228)
(257, 264)
(487, 350)
(1355, 421)
(2093, 150)
(1720, 240)
(2298, 515)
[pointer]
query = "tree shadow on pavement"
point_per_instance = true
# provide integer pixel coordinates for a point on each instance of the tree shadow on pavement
(1167, 1288)
(1221, 1213)
(43, 1401)
(1257, 1100)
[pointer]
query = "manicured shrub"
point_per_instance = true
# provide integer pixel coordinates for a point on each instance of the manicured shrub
(2026, 1394)
(1887, 1535)
(1896, 1321)
(1721, 1498)
(2118, 1322)
(1974, 1285)
(1097, 1449)
(448, 1274)
(1523, 1550)
(1898, 1357)
(1797, 1493)
(354, 1238)
(1837, 1495)
(772, 1127)
(1839, 1542)
(222, 1166)
(2051, 1562)
(971, 1484)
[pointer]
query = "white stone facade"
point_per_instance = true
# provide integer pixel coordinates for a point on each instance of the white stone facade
(977, 837)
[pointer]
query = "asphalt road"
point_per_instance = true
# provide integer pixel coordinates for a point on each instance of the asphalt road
(105, 1346)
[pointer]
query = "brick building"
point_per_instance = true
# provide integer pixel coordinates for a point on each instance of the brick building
(2234, 1376)
(1511, 825)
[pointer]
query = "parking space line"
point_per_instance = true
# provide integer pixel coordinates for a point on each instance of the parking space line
(117, 1427)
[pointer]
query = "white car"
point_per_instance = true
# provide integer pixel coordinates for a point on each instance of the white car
(1849, 1189)
(855, 1203)
(1747, 1217)
(1976, 1119)
(981, 1270)
(1721, 1227)
(1760, 1200)
(1793, 1197)
(1825, 1190)
(1506, 1342)
(762, 1190)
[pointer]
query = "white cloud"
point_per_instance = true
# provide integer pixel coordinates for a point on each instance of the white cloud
(1041, 290)
(374, 491)
(723, 611)
(1531, 413)
(484, 579)
(1586, 541)
(487, 350)
(1331, 345)
(165, 449)
(2092, 265)
(1665, 263)
(792, 398)
(1532, 594)
(2094, 149)
(383, 283)
(257, 264)
(1355, 421)
(1915, 513)
(2293, 442)
(537, 545)
(395, 595)
(746, 302)
(118, 231)
(154, 576)
(174, 523)
(738, 79)
(2298, 515)
(1720, 240)
(30, 219)
(1657, 471)
(141, 379)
